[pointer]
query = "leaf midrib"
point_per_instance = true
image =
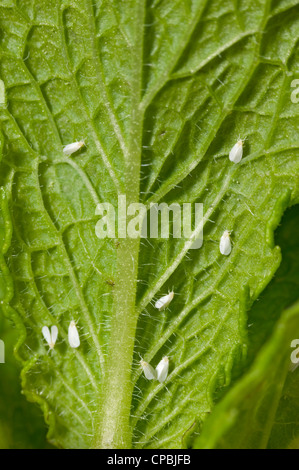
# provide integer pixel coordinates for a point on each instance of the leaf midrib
(114, 428)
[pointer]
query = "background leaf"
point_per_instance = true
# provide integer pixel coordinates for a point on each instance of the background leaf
(282, 291)
(245, 417)
(285, 430)
(160, 91)
(21, 424)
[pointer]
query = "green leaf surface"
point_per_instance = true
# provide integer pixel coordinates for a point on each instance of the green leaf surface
(245, 417)
(160, 91)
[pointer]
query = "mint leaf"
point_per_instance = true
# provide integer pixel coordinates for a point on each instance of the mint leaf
(160, 92)
(245, 417)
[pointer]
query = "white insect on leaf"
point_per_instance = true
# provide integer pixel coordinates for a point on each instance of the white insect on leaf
(162, 369)
(225, 243)
(73, 335)
(236, 153)
(2, 93)
(148, 370)
(163, 303)
(72, 148)
(50, 337)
